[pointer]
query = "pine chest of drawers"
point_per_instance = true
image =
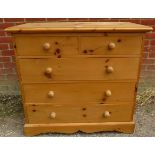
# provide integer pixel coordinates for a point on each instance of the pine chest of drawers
(78, 76)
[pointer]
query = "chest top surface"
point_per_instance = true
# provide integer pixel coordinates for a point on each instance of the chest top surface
(79, 27)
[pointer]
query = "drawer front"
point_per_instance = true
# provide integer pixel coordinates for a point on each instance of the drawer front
(78, 114)
(112, 44)
(80, 93)
(92, 44)
(48, 70)
(46, 46)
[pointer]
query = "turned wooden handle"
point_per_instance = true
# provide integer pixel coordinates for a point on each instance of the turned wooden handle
(46, 46)
(111, 45)
(108, 93)
(110, 69)
(50, 93)
(107, 114)
(48, 70)
(52, 115)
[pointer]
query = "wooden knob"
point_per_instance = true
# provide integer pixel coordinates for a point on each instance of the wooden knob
(109, 69)
(50, 93)
(108, 93)
(111, 45)
(48, 70)
(46, 46)
(52, 115)
(107, 114)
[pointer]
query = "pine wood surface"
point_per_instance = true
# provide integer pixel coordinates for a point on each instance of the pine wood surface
(79, 27)
(79, 92)
(69, 128)
(67, 45)
(78, 76)
(39, 114)
(33, 70)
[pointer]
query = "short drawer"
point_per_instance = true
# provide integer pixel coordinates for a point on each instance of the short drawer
(75, 93)
(111, 44)
(49, 70)
(42, 114)
(56, 46)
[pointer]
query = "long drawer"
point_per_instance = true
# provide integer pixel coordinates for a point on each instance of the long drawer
(79, 93)
(72, 45)
(48, 69)
(78, 114)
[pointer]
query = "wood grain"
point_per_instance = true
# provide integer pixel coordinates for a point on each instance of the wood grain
(67, 45)
(79, 92)
(39, 114)
(59, 45)
(33, 70)
(130, 44)
(79, 27)
(78, 76)
(69, 128)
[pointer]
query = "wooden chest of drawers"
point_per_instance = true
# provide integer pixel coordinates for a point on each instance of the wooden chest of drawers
(78, 76)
